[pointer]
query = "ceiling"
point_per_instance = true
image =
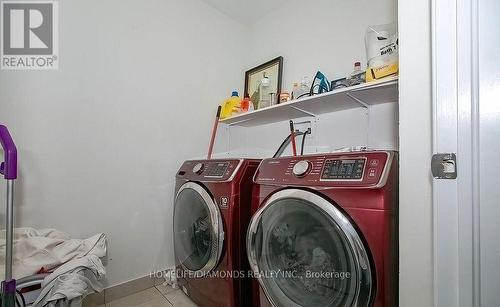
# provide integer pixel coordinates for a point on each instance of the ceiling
(246, 11)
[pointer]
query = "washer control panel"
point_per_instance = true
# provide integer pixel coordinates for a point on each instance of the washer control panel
(209, 170)
(344, 169)
(351, 169)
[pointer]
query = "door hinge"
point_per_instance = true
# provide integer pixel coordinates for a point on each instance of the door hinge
(444, 166)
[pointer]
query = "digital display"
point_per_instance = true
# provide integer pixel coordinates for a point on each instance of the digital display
(349, 169)
(217, 169)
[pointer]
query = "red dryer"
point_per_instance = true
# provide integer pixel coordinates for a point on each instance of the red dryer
(324, 230)
(211, 215)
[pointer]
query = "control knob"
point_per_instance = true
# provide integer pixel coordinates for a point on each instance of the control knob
(198, 168)
(301, 168)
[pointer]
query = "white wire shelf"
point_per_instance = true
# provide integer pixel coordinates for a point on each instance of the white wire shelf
(358, 96)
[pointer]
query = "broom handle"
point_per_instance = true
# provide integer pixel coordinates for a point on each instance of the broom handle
(214, 133)
(292, 135)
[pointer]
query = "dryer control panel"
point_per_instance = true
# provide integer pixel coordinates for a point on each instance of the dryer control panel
(351, 169)
(209, 170)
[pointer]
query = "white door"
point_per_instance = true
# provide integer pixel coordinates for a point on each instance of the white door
(466, 99)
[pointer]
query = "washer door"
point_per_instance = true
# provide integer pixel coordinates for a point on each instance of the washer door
(306, 252)
(198, 230)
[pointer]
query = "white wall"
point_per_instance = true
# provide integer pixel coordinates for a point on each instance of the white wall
(326, 35)
(101, 138)
(415, 135)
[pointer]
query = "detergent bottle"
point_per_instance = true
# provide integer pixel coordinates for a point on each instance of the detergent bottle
(230, 105)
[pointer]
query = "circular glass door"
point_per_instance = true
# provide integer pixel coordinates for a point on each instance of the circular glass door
(306, 252)
(198, 232)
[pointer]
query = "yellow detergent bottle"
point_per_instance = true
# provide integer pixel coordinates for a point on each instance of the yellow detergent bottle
(230, 106)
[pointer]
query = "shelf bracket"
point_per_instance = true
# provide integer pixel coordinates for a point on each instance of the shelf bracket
(304, 111)
(303, 122)
(361, 102)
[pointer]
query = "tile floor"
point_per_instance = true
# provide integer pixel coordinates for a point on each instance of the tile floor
(159, 296)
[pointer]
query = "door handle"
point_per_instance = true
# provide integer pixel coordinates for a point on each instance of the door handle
(444, 166)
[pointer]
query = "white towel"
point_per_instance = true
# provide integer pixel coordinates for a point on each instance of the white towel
(47, 248)
(71, 282)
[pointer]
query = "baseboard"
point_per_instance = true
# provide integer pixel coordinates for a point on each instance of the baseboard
(121, 290)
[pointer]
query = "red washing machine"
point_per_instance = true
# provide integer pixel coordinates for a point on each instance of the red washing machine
(211, 215)
(324, 231)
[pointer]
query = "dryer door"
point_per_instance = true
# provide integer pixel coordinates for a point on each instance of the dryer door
(306, 252)
(198, 230)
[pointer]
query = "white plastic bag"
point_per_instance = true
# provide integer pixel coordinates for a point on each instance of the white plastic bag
(382, 45)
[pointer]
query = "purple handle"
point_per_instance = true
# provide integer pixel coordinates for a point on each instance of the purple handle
(9, 167)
